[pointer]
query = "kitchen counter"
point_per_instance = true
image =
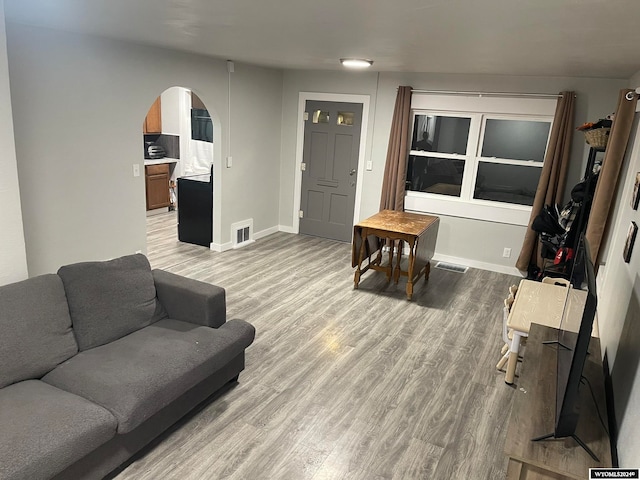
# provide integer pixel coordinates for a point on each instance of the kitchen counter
(160, 161)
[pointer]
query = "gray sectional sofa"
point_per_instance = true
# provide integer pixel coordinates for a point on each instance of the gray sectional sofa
(100, 358)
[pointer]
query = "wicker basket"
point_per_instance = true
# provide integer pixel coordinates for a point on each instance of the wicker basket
(598, 137)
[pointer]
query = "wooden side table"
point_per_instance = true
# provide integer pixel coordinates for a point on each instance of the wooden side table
(419, 231)
(544, 304)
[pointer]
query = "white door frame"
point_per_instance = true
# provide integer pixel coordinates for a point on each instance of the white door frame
(329, 97)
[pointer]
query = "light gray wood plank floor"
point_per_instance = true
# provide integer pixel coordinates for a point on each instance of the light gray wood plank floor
(341, 383)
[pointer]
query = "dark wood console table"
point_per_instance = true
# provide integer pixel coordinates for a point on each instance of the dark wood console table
(533, 414)
(420, 233)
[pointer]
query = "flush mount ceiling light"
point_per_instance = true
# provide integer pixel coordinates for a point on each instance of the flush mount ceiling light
(356, 62)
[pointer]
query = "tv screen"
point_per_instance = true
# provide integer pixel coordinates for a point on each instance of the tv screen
(574, 336)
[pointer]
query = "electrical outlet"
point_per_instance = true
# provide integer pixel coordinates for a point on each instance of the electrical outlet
(136, 169)
(506, 253)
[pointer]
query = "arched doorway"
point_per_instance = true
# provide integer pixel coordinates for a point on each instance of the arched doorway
(178, 138)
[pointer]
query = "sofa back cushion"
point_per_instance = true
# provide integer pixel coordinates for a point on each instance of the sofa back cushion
(35, 329)
(108, 300)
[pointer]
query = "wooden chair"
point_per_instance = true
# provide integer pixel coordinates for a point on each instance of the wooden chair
(508, 302)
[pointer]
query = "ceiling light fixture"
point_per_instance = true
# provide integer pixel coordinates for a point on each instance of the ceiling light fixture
(356, 62)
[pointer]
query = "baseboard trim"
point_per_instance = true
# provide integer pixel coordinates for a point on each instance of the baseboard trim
(266, 232)
(221, 247)
(243, 244)
(286, 229)
(611, 411)
(492, 267)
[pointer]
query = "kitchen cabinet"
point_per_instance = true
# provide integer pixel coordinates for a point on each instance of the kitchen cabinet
(153, 120)
(157, 185)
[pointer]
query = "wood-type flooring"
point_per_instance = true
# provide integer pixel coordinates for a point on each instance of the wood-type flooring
(341, 383)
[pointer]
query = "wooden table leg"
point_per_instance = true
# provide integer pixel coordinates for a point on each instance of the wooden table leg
(412, 260)
(396, 271)
(389, 272)
(427, 271)
(513, 359)
(356, 276)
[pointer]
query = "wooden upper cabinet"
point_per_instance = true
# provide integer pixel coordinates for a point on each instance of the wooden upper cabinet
(153, 120)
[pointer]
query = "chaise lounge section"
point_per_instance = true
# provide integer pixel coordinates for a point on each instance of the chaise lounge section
(101, 358)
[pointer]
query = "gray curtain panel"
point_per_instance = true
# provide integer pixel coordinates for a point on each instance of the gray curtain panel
(552, 178)
(395, 170)
(611, 165)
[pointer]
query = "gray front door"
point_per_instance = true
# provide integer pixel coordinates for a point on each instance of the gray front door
(330, 168)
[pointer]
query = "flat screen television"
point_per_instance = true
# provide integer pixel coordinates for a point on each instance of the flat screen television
(572, 348)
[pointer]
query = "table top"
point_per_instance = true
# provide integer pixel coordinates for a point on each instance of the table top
(399, 222)
(544, 304)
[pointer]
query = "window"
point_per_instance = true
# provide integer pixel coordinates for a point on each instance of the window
(475, 163)
(512, 154)
(437, 143)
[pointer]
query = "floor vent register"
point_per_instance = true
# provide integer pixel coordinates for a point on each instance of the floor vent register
(452, 267)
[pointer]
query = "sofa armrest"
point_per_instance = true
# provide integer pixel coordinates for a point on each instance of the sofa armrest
(190, 300)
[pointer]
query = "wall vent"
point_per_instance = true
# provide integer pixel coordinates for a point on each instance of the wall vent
(242, 233)
(451, 267)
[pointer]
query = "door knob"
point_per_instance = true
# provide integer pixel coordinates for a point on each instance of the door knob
(352, 172)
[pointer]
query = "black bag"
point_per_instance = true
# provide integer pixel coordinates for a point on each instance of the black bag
(547, 222)
(580, 189)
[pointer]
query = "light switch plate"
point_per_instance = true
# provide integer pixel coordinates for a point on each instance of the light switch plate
(229, 161)
(369, 165)
(136, 169)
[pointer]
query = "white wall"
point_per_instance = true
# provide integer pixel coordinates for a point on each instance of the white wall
(13, 259)
(619, 307)
(252, 185)
(458, 238)
(79, 103)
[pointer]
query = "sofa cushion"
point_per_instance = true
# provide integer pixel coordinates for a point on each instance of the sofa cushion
(44, 430)
(137, 375)
(108, 300)
(35, 329)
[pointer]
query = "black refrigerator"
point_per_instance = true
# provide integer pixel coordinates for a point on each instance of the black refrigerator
(195, 209)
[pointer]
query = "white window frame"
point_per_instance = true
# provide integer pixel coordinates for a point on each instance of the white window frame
(479, 110)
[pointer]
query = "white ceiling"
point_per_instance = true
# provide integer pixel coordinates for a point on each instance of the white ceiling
(587, 38)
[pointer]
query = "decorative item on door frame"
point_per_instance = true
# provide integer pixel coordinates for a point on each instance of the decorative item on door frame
(635, 198)
(628, 244)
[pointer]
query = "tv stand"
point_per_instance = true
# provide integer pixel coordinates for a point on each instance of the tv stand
(533, 412)
(556, 342)
(575, 437)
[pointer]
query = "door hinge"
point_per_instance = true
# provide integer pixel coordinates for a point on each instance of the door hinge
(300, 214)
(306, 116)
(303, 166)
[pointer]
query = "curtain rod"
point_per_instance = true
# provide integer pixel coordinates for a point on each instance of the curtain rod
(487, 94)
